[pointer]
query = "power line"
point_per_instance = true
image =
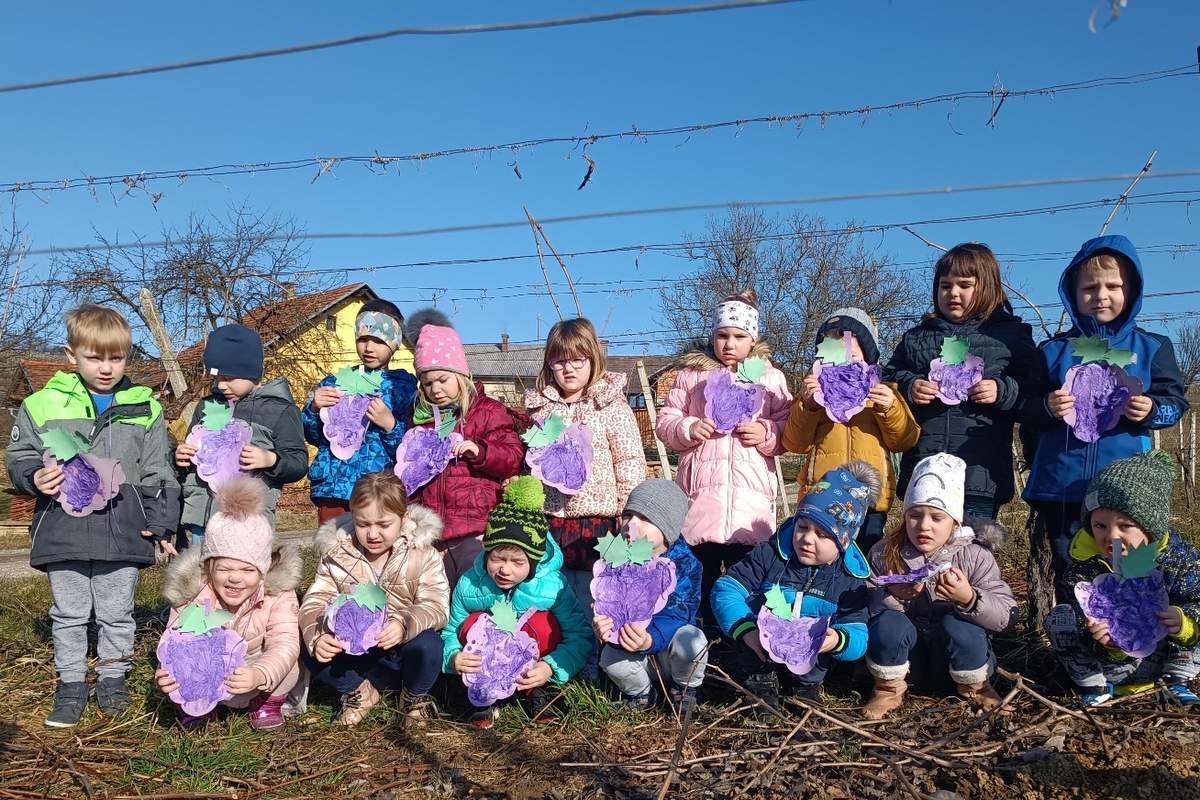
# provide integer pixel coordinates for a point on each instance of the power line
(497, 27)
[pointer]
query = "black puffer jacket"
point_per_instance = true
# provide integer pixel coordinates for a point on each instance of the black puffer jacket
(981, 435)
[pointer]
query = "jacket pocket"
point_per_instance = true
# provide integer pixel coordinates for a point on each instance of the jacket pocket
(127, 519)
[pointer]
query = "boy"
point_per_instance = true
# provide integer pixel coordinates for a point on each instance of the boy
(379, 327)
(657, 508)
(233, 356)
(1101, 290)
(1129, 505)
(813, 554)
(93, 561)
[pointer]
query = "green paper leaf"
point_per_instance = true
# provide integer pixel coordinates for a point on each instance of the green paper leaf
(63, 444)
(777, 603)
(751, 369)
(1096, 348)
(443, 423)
(832, 351)
(216, 415)
(614, 549)
(356, 381)
(546, 433)
(370, 596)
(1139, 561)
(196, 620)
(954, 350)
(640, 551)
(504, 616)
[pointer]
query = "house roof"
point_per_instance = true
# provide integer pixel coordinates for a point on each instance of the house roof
(628, 365)
(489, 360)
(35, 373)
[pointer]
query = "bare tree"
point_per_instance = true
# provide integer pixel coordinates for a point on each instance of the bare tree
(23, 299)
(1187, 351)
(801, 271)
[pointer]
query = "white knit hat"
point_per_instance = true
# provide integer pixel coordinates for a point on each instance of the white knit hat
(938, 481)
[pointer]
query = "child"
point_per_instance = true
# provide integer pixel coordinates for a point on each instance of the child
(950, 619)
(93, 561)
(813, 554)
(729, 478)
(490, 452)
(1101, 290)
(389, 542)
(1128, 505)
(657, 508)
(379, 327)
(233, 356)
(520, 563)
(884, 427)
(969, 303)
(238, 569)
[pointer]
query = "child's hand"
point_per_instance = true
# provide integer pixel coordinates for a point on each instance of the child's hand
(467, 449)
(751, 434)
(166, 684)
(465, 663)
(1172, 619)
(702, 430)
(924, 392)
(47, 480)
(808, 392)
(381, 415)
(1139, 407)
(183, 454)
(164, 545)
(1060, 402)
(830, 641)
(986, 392)
(952, 585)
(602, 626)
(752, 641)
(257, 458)
(245, 679)
(392, 634)
(882, 396)
(535, 676)
(1099, 631)
(634, 638)
(326, 648)
(325, 397)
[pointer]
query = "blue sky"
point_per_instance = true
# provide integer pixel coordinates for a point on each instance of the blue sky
(415, 94)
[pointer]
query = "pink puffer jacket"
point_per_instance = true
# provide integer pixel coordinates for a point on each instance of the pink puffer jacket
(732, 488)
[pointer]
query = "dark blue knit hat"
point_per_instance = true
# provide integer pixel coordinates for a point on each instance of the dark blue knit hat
(838, 504)
(234, 351)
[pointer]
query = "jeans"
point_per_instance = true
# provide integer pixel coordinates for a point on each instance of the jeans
(413, 665)
(715, 558)
(197, 537)
(1088, 668)
(80, 589)
(945, 640)
(681, 663)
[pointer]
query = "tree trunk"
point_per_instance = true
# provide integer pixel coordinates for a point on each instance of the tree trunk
(1040, 576)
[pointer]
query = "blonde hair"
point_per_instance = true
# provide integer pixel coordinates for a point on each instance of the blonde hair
(100, 329)
(1106, 261)
(893, 540)
(382, 488)
(972, 260)
(466, 392)
(572, 338)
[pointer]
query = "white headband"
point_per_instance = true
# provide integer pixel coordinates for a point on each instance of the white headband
(736, 314)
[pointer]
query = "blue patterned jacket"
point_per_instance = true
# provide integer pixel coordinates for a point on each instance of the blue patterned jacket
(684, 602)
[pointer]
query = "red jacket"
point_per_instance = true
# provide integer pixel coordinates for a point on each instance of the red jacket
(467, 490)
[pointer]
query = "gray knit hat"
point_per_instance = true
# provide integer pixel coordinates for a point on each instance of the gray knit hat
(661, 502)
(1139, 487)
(858, 322)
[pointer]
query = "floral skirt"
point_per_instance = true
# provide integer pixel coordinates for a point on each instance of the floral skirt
(576, 537)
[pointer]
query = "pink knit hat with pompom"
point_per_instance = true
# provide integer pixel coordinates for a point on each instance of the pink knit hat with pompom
(437, 343)
(240, 529)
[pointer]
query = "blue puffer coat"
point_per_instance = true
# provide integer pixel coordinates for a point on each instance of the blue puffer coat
(684, 602)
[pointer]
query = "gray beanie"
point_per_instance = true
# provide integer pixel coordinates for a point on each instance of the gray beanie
(858, 322)
(661, 502)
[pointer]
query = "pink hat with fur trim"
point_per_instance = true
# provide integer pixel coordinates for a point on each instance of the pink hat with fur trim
(239, 529)
(437, 343)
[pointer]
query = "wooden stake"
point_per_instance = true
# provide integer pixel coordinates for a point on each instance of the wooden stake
(783, 498)
(166, 351)
(652, 413)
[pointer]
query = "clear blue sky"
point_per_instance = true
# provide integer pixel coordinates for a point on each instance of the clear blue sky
(413, 94)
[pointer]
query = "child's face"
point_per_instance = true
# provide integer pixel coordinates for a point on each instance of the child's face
(955, 297)
(571, 373)
(440, 387)
(100, 372)
(376, 528)
(372, 352)
(235, 388)
(1110, 527)
(732, 345)
(1100, 292)
(812, 545)
(507, 566)
(234, 582)
(856, 352)
(640, 527)
(929, 528)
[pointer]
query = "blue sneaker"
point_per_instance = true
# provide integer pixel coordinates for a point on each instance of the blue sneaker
(1095, 696)
(1182, 694)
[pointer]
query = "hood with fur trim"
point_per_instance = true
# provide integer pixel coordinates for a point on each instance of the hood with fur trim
(706, 359)
(421, 528)
(184, 577)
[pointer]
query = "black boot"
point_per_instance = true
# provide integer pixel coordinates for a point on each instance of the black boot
(765, 687)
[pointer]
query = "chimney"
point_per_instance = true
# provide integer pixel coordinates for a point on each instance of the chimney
(504, 343)
(289, 290)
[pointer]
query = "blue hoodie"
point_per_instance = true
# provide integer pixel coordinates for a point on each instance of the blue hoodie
(1062, 465)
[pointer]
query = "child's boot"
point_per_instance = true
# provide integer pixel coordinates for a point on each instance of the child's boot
(981, 695)
(764, 686)
(70, 699)
(541, 705)
(417, 706)
(266, 711)
(357, 704)
(888, 695)
(112, 695)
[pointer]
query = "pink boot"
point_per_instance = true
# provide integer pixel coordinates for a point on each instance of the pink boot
(266, 711)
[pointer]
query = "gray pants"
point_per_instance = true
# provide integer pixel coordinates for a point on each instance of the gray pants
(1077, 651)
(80, 589)
(682, 663)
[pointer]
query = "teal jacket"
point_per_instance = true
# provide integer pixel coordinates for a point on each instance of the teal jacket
(545, 590)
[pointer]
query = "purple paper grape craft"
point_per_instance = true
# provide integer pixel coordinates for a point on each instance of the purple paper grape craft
(955, 371)
(89, 482)
(425, 451)
(922, 574)
(788, 637)
(558, 454)
(733, 398)
(844, 383)
(200, 654)
(1100, 386)
(219, 440)
(345, 422)
(629, 583)
(506, 652)
(1128, 599)
(358, 619)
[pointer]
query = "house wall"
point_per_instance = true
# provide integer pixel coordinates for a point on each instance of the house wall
(510, 391)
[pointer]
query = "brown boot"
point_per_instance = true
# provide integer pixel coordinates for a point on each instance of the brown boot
(981, 695)
(888, 696)
(357, 704)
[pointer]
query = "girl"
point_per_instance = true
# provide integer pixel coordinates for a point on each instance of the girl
(238, 569)
(491, 451)
(729, 478)
(969, 303)
(574, 385)
(949, 618)
(387, 542)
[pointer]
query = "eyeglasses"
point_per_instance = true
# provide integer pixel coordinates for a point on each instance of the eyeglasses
(559, 364)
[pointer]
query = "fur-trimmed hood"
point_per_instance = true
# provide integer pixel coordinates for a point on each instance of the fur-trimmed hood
(421, 528)
(705, 358)
(185, 577)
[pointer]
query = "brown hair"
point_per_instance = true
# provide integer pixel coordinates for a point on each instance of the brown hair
(893, 540)
(99, 328)
(972, 260)
(747, 296)
(383, 488)
(572, 338)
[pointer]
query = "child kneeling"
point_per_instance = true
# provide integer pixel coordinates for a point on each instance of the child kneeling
(238, 569)
(383, 541)
(813, 555)
(945, 620)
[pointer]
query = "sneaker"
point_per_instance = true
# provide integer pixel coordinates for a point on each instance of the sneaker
(1182, 693)
(112, 695)
(687, 695)
(266, 711)
(70, 699)
(357, 704)
(638, 702)
(484, 718)
(541, 705)
(765, 686)
(1095, 696)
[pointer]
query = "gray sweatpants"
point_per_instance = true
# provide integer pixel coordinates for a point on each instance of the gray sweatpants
(682, 663)
(1076, 650)
(80, 589)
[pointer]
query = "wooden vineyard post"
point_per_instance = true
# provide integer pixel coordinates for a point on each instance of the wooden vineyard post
(652, 413)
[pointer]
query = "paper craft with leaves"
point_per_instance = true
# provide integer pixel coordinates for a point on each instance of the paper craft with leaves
(844, 383)
(219, 440)
(357, 619)
(89, 482)
(1100, 386)
(558, 454)
(200, 654)
(423, 454)
(729, 402)
(789, 637)
(1129, 599)
(506, 650)
(955, 371)
(629, 583)
(922, 574)
(345, 422)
